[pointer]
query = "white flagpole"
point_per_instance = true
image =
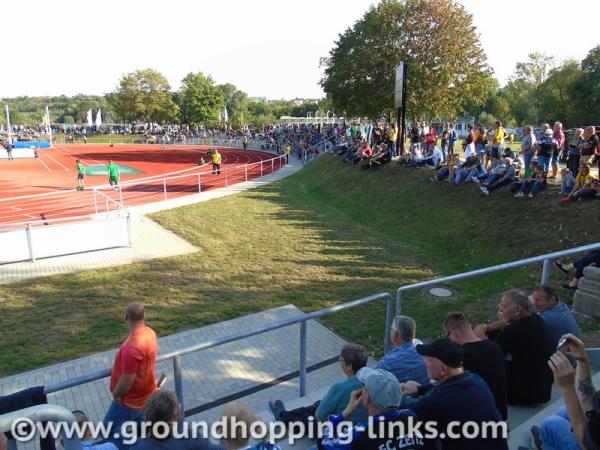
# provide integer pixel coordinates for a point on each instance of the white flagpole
(8, 124)
(49, 126)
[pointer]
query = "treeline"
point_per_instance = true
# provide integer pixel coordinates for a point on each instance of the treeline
(146, 96)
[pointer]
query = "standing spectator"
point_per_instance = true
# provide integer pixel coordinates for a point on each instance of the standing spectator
(133, 377)
(452, 138)
(482, 356)
(545, 148)
(392, 137)
(469, 142)
(527, 146)
(9, 149)
(573, 154)
(403, 360)
(559, 138)
(444, 141)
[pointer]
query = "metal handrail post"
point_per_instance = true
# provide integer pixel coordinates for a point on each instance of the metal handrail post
(246, 172)
(546, 269)
(303, 339)
(121, 196)
(272, 165)
(95, 202)
(165, 187)
(106, 201)
(226, 177)
(178, 384)
(389, 317)
(30, 242)
(199, 184)
(129, 241)
(261, 169)
(399, 303)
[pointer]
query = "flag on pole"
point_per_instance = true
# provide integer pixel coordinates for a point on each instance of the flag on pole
(225, 115)
(49, 126)
(90, 122)
(98, 118)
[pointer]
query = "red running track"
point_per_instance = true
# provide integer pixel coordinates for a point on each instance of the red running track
(42, 190)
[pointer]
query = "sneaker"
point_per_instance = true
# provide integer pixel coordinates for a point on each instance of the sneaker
(475, 180)
(560, 267)
(433, 179)
(530, 195)
(518, 195)
(277, 408)
(485, 190)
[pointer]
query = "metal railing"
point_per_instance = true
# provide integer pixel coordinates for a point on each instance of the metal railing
(42, 413)
(546, 261)
(302, 320)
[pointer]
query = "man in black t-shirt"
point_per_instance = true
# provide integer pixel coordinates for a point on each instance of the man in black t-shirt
(527, 345)
(482, 356)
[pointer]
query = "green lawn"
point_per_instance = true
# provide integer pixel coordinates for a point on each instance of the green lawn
(328, 234)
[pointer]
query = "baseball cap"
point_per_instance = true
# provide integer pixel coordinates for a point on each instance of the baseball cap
(383, 387)
(448, 352)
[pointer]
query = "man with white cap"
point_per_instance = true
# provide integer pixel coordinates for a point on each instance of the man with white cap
(381, 395)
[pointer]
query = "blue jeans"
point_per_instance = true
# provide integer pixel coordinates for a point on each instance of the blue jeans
(544, 161)
(392, 147)
(535, 185)
(556, 432)
(493, 177)
(445, 150)
(527, 157)
(118, 414)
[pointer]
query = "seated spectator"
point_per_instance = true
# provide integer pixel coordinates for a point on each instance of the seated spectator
(381, 156)
(458, 396)
(567, 182)
(449, 171)
(577, 425)
(352, 359)
(586, 186)
(381, 396)
(536, 181)
(403, 360)
(556, 314)
(527, 344)
(434, 158)
(495, 181)
(482, 356)
(164, 407)
(234, 440)
(416, 156)
(591, 259)
(468, 170)
(84, 423)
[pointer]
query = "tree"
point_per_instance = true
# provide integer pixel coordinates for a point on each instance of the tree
(200, 101)
(144, 95)
(236, 102)
(558, 94)
(436, 39)
(586, 90)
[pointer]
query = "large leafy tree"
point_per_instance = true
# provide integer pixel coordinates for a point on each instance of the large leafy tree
(200, 100)
(586, 90)
(447, 67)
(236, 102)
(144, 95)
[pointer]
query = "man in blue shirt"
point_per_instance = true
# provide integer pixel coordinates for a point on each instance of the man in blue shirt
(556, 314)
(458, 396)
(403, 360)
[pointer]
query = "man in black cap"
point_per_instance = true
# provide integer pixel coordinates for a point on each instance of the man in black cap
(458, 396)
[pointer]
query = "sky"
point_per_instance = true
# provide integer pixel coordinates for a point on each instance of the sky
(267, 48)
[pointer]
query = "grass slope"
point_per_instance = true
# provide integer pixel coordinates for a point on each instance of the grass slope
(328, 234)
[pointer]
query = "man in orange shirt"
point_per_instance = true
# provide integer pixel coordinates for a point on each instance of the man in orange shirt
(133, 377)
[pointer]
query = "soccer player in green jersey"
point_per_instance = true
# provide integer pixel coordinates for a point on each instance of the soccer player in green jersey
(113, 174)
(80, 174)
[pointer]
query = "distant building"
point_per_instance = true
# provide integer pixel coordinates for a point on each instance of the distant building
(460, 125)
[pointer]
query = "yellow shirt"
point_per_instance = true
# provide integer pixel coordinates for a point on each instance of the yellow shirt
(499, 136)
(216, 158)
(288, 149)
(582, 180)
(392, 134)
